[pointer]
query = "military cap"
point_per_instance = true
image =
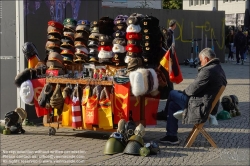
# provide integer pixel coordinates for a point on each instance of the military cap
(133, 28)
(81, 50)
(52, 44)
(55, 24)
(132, 20)
(120, 41)
(131, 35)
(94, 24)
(79, 44)
(80, 28)
(134, 42)
(53, 30)
(149, 21)
(52, 37)
(105, 48)
(69, 35)
(93, 51)
(92, 43)
(81, 35)
(67, 52)
(67, 59)
(69, 22)
(119, 34)
(120, 19)
(67, 44)
(83, 22)
(133, 54)
(132, 48)
(95, 30)
(94, 36)
(105, 38)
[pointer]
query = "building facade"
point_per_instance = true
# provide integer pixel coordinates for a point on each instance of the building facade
(234, 9)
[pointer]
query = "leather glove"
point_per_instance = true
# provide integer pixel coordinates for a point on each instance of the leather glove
(29, 50)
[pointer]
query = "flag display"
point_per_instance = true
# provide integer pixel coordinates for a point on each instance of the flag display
(171, 64)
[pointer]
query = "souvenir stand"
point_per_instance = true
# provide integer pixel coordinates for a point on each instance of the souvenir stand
(109, 62)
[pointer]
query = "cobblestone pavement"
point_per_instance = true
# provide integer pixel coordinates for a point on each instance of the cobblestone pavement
(70, 147)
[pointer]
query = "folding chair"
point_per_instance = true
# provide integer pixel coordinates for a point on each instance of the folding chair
(199, 127)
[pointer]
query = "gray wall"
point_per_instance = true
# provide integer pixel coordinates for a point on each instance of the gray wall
(8, 98)
(191, 24)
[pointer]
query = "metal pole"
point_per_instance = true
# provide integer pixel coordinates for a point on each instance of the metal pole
(19, 42)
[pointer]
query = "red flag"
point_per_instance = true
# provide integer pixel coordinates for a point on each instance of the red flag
(171, 64)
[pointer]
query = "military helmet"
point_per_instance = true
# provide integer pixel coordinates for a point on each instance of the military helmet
(133, 147)
(114, 145)
(223, 115)
(227, 103)
(137, 139)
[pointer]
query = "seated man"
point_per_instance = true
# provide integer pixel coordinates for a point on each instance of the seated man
(197, 98)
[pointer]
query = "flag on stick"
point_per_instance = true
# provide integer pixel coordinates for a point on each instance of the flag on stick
(171, 64)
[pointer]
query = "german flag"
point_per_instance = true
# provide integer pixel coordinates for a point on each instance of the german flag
(32, 62)
(171, 64)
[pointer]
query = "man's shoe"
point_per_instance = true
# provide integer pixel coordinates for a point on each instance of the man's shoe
(170, 139)
(238, 63)
(161, 115)
(178, 114)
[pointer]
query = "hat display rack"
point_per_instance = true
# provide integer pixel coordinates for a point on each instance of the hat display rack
(100, 53)
(133, 57)
(120, 40)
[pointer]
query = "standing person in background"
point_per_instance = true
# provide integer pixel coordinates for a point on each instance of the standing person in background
(229, 43)
(247, 45)
(168, 35)
(170, 41)
(240, 44)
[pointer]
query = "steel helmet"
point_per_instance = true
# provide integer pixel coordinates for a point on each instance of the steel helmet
(137, 139)
(133, 147)
(223, 115)
(115, 144)
(227, 103)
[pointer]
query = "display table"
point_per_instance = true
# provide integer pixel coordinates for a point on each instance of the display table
(53, 123)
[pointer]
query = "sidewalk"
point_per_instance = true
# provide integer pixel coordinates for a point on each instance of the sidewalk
(68, 147)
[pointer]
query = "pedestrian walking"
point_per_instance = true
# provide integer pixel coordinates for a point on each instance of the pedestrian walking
(240, 42)
(229, 44)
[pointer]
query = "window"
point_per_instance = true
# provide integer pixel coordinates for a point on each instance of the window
(202, 2)
(225, 1)
(191, 2)
(207, 1)
(196, 2)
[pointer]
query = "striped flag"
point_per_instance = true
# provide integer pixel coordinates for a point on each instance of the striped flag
(171, 64)
(76, 113)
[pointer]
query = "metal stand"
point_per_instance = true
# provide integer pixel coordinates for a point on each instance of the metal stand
(193, 62)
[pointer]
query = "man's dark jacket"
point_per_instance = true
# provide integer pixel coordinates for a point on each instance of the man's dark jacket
(203, 91)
